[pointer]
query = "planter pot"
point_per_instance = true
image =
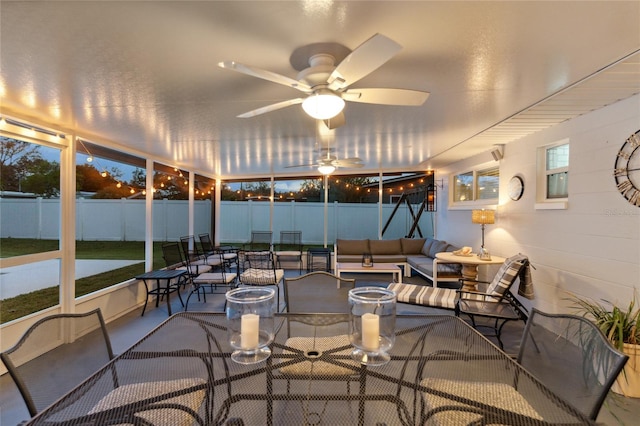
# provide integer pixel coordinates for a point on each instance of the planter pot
(628, 382)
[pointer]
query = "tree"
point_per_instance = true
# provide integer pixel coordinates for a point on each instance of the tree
(347, 189)
(312, 189)
(261, 188)
(16, 157)
(341, 189)
(43, 178)
(90, 179)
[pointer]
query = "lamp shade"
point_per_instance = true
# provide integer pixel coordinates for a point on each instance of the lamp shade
(326, 169)
(323, 104)
(483, 217)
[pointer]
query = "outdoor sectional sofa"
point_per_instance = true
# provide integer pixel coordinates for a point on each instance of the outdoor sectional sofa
(418, 254)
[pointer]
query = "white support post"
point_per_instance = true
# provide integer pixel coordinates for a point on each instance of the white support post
(68, 227)
(148, 231)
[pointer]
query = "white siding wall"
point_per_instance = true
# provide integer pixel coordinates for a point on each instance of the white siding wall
(590, 249)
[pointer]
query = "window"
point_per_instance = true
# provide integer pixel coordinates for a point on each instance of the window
(553, 173)
(487, 184)
(476, 187)
(30, 225)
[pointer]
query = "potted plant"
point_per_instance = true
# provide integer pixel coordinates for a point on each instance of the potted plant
(622, 327)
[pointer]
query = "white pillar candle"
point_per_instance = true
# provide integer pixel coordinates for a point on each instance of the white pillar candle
(370, 332)
(249, 331)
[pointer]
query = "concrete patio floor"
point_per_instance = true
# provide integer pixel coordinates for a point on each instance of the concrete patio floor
(128, 329)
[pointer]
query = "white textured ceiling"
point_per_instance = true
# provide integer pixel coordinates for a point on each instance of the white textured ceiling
(143, 75)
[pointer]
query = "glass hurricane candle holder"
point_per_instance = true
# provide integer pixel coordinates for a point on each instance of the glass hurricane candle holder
(250, 323)
(372, 322)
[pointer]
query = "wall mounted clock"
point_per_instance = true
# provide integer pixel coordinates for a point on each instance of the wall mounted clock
(516, 188)
(627, 169)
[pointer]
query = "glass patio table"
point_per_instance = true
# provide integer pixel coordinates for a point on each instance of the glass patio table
(310, 378)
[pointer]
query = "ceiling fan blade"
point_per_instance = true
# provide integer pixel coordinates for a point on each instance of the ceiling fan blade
(362, 61)
(265, 75)
(353, 162)
(272, 107)
(386, 96)
(302, 165)
(337, 121)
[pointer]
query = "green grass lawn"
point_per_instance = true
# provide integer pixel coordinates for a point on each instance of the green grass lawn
(24, 304)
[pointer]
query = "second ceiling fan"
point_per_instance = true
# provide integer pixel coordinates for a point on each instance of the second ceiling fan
(327, 85)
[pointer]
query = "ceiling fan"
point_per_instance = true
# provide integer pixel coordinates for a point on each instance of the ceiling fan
(327, 85)
(328, 163)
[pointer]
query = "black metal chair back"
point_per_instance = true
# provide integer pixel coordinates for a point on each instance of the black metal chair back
(173, 256)
(316, 292)
(190, 248)
(206, 244)
(572, 357)
(56, 354)
(260, 240)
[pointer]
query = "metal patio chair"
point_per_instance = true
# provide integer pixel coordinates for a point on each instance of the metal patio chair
(260, 241)
(567, 353)
(289, 248)
(260, 270)
(194, 254)
(220, 278)
(316, 292)
(60, 351)
(229, 253)
(495, 303)
(56, 354)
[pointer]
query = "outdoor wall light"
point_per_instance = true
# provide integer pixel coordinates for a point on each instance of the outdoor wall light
(431, 198)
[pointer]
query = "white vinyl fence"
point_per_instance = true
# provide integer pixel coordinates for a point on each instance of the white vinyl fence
(124, 220)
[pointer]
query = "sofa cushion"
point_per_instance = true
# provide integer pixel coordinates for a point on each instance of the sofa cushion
(427, 246)
(385, 246)
(349, 258)
(437, 247)
(389, 258)
(412, 245)
(352, 246)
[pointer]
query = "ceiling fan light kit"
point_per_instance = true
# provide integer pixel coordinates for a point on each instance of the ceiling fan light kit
(326, 85)
(323, 104)
(326, 169)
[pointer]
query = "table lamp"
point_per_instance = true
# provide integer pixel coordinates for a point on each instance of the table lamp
(483, 217)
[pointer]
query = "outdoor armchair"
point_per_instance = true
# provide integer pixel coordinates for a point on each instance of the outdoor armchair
(495, 303)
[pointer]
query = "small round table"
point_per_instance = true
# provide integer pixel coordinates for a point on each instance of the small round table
(469, 266)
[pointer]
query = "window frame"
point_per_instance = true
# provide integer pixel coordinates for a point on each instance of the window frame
(476, 172)
(543, 201)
